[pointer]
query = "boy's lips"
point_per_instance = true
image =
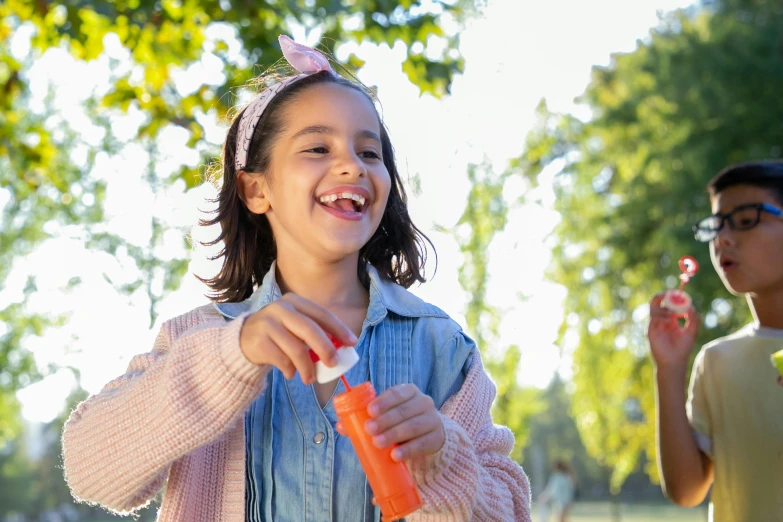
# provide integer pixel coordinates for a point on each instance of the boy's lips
(727, 263)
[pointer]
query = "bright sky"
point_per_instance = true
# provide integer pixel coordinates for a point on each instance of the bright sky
(519, 52)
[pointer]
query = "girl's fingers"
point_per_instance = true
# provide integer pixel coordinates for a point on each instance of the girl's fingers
(310, 333)
(391, 398)
(274, 356)
(398, 414)
(293, 326)
(422, 446)
(408, 430)
(294, 350)
(325, 319)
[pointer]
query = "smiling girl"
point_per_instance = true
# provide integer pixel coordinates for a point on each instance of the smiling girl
(317, 241)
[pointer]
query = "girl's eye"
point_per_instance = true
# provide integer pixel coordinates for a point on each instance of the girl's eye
(370, 154)
(318, 150)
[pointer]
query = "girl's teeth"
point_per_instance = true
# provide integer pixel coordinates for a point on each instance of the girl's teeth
(345, 195)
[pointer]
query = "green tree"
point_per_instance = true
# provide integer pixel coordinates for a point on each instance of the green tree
(15, 477)
(699, 94)
(47, 168)
(484, 215)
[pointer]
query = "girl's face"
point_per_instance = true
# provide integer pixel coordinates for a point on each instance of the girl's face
(327, 185)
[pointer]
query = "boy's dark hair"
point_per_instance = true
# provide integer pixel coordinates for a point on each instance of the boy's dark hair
(397, 249)
(764, 174)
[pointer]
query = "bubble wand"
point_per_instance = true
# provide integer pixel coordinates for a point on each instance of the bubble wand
(676, 299)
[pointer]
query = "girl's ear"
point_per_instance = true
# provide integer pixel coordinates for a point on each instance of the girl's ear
(253, 190)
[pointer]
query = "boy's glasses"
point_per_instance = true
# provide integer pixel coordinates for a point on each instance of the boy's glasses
(743, 217)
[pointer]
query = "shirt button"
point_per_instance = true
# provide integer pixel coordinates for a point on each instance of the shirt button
(319, 437)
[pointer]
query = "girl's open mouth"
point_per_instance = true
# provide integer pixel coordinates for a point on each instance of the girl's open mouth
(344, 205)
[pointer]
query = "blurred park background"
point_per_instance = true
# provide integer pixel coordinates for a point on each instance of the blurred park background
(556, 153)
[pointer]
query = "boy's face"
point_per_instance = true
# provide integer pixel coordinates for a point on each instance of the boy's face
(749, 261)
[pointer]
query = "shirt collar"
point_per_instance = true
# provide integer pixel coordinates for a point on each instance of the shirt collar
(385, 296)
(765, 331)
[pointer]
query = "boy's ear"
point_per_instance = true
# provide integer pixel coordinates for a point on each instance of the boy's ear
(253, 190)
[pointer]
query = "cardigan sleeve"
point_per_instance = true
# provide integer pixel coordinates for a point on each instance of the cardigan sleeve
(119, 444)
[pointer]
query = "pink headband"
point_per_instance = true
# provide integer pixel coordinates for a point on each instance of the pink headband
(305, 60)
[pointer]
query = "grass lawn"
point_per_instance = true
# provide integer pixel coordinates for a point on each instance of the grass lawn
(602, 512)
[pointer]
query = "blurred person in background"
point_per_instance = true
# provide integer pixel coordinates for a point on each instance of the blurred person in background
(560, 492)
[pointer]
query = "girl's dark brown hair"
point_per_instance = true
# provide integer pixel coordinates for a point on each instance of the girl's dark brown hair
(397, 249)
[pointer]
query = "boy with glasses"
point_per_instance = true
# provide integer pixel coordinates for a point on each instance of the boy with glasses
(729, 432)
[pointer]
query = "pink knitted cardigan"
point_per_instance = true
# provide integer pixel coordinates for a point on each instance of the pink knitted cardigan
(177, 414)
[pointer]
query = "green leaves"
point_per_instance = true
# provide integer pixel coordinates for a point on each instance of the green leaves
(514, 406)
(484, 216)
(432, 77)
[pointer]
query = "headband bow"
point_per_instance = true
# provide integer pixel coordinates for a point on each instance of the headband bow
(302, 58)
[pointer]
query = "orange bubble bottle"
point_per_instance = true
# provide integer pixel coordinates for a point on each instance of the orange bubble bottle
(392, 485)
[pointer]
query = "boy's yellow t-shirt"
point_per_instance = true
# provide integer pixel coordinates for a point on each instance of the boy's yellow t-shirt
(735, 407)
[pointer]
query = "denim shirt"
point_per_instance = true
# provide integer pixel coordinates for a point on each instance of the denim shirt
(299, 468)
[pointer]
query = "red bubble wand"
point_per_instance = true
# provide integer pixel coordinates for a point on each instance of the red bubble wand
(677, 300)
(689, 267)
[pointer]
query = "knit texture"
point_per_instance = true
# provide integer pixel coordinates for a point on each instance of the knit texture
(471, 477)
(176, 414)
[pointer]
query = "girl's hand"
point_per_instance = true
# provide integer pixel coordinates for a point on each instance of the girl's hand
(403, 415)
(670, 344)
(280, 333)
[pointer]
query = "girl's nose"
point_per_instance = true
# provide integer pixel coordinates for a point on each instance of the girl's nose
(349, 164)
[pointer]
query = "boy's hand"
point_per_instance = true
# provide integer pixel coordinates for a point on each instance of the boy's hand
(670, 344)
(403, 415)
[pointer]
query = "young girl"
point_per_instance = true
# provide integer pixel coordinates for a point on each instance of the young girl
(317, 239)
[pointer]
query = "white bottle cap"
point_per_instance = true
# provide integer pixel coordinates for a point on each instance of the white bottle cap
(346, 359)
